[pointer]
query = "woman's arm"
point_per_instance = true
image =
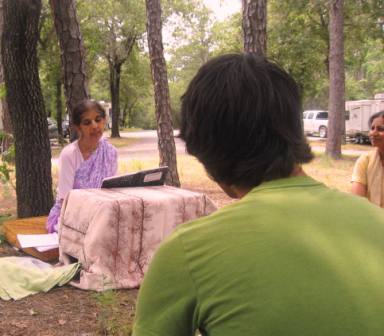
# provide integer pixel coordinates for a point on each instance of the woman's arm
(66, 174)
(359, 176)
(359, 189)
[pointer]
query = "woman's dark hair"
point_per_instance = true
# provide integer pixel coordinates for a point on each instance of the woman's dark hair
(84, 106)
(241, 117)
(374, 116)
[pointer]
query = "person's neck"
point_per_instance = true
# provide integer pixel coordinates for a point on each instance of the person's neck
(239, 192)
(86, 147)
(298, 171)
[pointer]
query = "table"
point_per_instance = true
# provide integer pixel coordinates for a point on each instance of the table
(114, 233)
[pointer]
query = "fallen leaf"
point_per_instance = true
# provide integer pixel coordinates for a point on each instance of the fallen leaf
(62, 322)
(33, 312)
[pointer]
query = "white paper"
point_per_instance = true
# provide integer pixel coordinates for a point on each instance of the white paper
(39, 240)
(46, 248)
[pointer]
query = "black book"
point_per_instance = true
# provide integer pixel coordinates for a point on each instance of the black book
(142, 178)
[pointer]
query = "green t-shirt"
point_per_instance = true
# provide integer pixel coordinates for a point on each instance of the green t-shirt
(291, 258)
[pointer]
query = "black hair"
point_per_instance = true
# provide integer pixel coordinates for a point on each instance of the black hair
(241, 117)
(374, 116)
(84, 106)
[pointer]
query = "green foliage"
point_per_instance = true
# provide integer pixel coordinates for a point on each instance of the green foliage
(49, 59)
(7, 160)
(191, 48)
(297, 39)
(109, 310)
(9, 155)
(107, 28)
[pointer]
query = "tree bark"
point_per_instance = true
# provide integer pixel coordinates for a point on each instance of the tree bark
(59, 110)
(72, 53)
(26, 107)
(114, 82)
(255, 26)
(5, 117)
(116, 56)
(336, 80)
(166, 142)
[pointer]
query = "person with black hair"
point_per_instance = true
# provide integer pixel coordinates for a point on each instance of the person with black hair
(368, 172)
(291, 256)
(84, 163)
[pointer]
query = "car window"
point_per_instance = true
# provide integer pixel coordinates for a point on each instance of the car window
(322, 116)
(310, 115)
(305, 115)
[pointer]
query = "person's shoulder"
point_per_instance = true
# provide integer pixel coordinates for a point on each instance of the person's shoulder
(366, 157)
(69, 150)
(110, 147)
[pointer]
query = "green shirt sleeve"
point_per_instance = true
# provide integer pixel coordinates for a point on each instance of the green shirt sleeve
(167, 298)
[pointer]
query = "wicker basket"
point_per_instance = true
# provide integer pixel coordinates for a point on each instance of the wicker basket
(33, 225)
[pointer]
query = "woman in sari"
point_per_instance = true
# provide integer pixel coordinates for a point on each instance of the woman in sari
(368, 178)
(85, 162)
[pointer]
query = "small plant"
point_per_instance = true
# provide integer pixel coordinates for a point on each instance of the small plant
(7, 160)
(2, 219)
(5, 174)
(112, 317)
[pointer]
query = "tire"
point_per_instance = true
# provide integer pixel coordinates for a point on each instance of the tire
(361, 140)
(322, 132)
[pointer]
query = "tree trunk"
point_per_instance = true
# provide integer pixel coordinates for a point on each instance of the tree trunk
(166, 142)
(59, 110)
(114, 85)
(255, 26)
(72, 53)
(4, 112)
(26, 107)
(336, 80)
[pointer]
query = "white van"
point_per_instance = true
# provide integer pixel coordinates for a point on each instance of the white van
(315, 122)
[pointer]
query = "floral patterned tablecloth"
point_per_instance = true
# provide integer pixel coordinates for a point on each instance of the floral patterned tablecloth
(114, 233)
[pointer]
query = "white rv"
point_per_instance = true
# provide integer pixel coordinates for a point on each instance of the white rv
(358, 114)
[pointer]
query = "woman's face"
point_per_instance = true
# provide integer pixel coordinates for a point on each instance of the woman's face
(91, 127)
(376, 133)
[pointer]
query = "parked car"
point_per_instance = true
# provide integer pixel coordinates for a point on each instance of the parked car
(52, 128)
(315, 122)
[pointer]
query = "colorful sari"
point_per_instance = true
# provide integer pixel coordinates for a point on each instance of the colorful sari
(101, 164)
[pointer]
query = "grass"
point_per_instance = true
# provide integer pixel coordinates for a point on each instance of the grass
(335, 174)
(122, 142)
(347, 146)
(113, 306)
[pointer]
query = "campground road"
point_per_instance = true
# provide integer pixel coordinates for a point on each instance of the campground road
(145, 146)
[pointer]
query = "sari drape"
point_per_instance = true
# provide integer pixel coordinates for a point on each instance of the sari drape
(101, 164)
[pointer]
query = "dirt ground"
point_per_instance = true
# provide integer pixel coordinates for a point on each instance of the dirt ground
(69, 311)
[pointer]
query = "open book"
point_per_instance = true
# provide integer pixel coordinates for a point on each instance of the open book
(142, 178)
